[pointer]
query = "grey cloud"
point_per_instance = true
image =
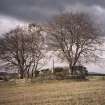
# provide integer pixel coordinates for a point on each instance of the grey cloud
(29, 9)
(5, 24)
(39, 10)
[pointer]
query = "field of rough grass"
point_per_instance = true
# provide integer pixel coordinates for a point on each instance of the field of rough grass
(53, 93)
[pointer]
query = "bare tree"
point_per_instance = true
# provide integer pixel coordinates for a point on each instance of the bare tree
(23, 48)
(74, 37)
(36, 46)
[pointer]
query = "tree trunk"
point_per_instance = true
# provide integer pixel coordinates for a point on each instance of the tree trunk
(21, 75)
(32, 74)
(28, 74)
(70, 69)
(35, 74)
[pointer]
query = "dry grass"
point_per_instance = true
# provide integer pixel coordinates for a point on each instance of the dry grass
(53, 93)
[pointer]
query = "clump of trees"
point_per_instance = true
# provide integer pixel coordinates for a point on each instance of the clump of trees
(23, 49)
(75, 38)
(72, 36)
(60, 72)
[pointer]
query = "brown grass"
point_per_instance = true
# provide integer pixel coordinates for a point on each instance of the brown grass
(53, 93)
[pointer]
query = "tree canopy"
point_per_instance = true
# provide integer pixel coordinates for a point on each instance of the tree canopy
(74, 37)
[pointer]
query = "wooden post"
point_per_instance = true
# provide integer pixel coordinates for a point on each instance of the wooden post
(53, 66)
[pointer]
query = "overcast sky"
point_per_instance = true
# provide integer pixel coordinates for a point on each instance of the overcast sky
(13, 12)
(16, 12)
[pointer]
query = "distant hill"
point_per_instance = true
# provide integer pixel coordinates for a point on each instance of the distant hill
(95, 74)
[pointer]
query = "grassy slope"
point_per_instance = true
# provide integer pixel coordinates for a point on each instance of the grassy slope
(54, 93)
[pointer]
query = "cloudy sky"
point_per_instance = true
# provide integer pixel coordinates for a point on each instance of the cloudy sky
(14, 12)
(17, 12)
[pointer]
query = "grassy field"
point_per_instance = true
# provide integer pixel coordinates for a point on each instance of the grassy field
(53, 93)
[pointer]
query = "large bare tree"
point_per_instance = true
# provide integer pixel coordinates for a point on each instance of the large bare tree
(23, 48)
(74, 37)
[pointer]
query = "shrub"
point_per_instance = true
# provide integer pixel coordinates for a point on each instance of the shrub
(60, 73)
